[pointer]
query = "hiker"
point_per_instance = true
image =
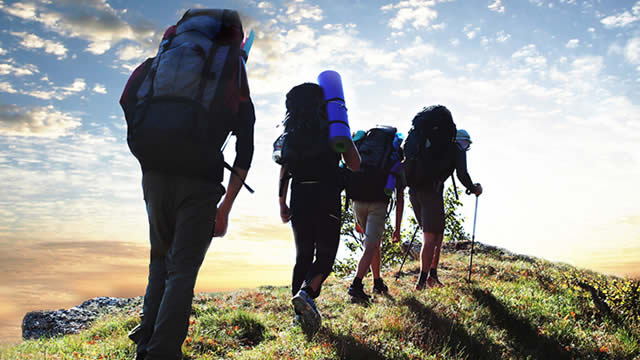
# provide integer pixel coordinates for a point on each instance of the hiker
(371, 190)
(316, 183)
(434, 148)
(177, 131)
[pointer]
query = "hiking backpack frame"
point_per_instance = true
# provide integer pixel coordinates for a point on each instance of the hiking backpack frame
(189, 96)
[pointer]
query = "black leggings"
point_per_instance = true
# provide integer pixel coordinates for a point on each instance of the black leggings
(316, 232)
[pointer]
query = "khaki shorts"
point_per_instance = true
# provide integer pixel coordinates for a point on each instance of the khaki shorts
(371, 216)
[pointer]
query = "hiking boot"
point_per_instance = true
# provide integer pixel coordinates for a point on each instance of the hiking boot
(422, 280)
(433, 281)
(379, 287)
(357, 292)
(308, 313)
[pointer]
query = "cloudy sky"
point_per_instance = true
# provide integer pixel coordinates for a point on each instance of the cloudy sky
(548, 89)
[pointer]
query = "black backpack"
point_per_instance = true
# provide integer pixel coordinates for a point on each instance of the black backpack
(190, 95)
(306, 127)
(428, 146)
(378, 155)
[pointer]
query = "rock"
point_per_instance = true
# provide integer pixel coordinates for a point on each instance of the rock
(37, 324)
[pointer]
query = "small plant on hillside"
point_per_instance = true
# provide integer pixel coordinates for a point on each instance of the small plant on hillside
(454, 222)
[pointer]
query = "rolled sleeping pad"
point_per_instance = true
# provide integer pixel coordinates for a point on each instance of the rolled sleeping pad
(339, 132)
(391, 179)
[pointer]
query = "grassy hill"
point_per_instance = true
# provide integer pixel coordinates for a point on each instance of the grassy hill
(515, 307)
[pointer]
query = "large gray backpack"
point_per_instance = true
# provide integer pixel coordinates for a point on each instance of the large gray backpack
(190, 95)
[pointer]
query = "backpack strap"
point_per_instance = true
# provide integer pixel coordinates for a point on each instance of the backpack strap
(230, 168)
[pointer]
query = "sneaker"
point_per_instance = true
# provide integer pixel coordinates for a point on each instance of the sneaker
(379, 287)
(308, 313)
(357, 292)
(296, 321)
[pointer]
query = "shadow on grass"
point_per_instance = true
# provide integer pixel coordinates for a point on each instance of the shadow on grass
(525, 336)
(349, 348)
(441, 332)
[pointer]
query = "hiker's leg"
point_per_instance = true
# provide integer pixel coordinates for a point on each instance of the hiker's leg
(303, 237)
(436, 253)
(428, 247)
(161, 226)
(196, 208)
(437, 224)
(327, 240)
(375, 262)
(374, 230)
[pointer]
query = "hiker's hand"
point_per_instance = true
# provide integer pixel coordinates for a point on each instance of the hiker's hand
(359, 229)
(478, 189)
(285, 213)
(222, 221)
(396, 236)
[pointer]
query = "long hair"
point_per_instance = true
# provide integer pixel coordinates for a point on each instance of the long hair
(306, 107)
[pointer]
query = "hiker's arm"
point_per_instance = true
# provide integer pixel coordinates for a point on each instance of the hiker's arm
(283, 187)
(461, 170)
(351, 157)
(222, 215)
(241, 165)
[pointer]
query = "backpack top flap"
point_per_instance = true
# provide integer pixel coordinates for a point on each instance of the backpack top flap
(198, 61)
(376, 147)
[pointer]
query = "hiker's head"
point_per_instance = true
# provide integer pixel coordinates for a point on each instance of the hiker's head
(440, 111)
(305, 102)
(464, 139)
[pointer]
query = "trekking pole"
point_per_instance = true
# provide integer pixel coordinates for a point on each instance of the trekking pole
(473, 237)
(407, 253)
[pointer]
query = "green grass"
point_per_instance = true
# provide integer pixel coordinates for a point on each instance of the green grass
(513, 308)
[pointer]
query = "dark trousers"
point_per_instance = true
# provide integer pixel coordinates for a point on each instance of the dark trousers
(181, 213)
(316, 230)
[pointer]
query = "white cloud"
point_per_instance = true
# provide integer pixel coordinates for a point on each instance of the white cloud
(95, 21)
(623, 19)
(470, 31)
(10, 68)
(7, 87)
(36, 121)
(501, 36)
(3, 51)
(133, 52)
(418, 13)
(572, 44)
(33, 41)
(531, 57)
(632, 51)
(77, 86)
(298, 10)
(100, 89)
(57, 92)
(497, 6)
